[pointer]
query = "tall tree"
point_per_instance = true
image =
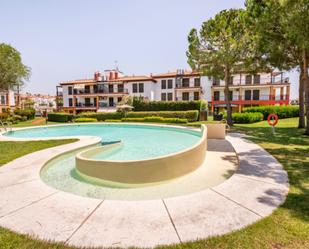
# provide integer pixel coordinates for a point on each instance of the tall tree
(281, 32)
(12, 71)
(221, 48)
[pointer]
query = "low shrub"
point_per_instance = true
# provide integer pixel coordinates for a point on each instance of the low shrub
(113, 120)
(29, 113)
(4, 116)
(288, 111)
(141, 105)
(82, 120)
(60, 117)
(246, 117)
(191, 115)
(156, 119)
(101, 116)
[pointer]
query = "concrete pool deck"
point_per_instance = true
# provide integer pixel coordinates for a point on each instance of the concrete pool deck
(29, 206)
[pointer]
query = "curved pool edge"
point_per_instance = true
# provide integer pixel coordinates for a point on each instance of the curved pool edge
(157, 169)
(230, 210)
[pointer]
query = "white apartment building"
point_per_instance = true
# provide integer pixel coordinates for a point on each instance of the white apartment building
(7, 100)
(105, 90)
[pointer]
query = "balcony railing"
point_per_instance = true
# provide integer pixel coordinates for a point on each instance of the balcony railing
(181, 85)
(253, 98)
(85, 105)
(262, 82)
(102, 90)
(187, 99)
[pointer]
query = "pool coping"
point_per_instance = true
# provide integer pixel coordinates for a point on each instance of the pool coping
(82, 221)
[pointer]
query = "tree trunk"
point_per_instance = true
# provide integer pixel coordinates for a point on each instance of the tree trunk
(306, 83)
(301, 121)
(227, 76)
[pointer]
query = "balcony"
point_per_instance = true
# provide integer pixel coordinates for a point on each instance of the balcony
(188, 87)
(101, 91)
(262, 82)
(251, 99)
(85, 106)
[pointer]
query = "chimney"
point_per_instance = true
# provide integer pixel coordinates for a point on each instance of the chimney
(116, 75)
(111, 75)
(95, 76)
(99, 76)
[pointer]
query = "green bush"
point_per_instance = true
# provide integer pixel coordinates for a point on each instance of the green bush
(29, 113)
(60, 117)
(4, 116)
(81, 120)
(101, 116)
(191, 116)
(288, 111)
(113, 120)
(140, 105)
(246, 117)
(156, 119)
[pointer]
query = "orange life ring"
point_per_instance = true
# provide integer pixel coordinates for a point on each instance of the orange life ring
(275, 121)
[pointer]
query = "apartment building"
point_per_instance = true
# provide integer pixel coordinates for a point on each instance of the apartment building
(105, 90)
(8, 100)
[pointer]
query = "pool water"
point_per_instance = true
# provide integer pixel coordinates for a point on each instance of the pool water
(138, 141)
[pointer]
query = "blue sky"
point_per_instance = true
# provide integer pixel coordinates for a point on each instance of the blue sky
(70, 39)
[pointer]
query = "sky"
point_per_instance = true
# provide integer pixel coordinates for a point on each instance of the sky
(63, 40)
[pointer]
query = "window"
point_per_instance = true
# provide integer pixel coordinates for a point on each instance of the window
(196, 95)
(70, 102)
(87, 89)
(256, 94)
(141, 87)
(215, 82)
(231, 80)
(170, 96)
(231, 95)
(248, 79)
(163, 96)
(134, 87)
(70, 90)
(95, 88)
(248, 95)
(256, 79)
(110, 88)
(170, 84)
(119, 99)
(95, 102)
(185, 96)
(185, 82)
(163, 84)
(87, 101)
(197, 82)
(2, 100)
(120, 88)
(216, 96)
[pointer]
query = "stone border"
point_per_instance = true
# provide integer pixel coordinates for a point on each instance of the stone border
(29, 206)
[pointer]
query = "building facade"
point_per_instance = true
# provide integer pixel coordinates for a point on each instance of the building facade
(105, 90)
(9, 100)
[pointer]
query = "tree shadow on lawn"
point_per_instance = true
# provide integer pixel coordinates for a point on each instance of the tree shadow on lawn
(291, 148)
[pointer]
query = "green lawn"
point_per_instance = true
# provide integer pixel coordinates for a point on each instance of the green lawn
(33, 122)
(287, 227)
(11, 150)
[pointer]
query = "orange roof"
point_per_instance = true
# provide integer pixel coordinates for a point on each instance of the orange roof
(82, 81)
(174, 74)
(135, 78)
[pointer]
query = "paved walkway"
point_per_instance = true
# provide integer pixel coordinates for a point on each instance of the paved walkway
(29, 206)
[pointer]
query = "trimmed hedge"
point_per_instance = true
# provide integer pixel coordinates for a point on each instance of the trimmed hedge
(156, 120)
(140, 105)
(191, 116)
(29, 113)
(288, 111)
(246, 117)
(101, 116)
(81, 120)
(60, 117)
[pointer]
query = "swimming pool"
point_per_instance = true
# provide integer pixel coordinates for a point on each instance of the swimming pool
(138, 141)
